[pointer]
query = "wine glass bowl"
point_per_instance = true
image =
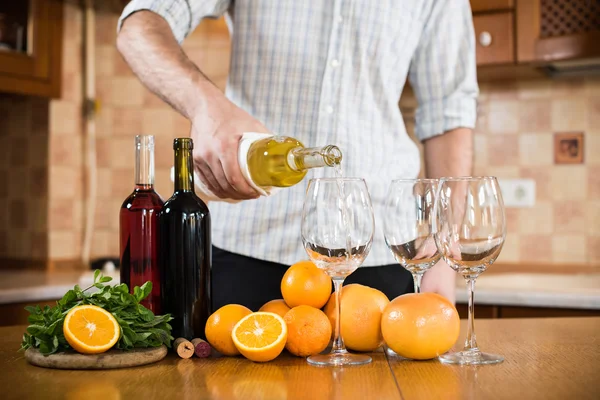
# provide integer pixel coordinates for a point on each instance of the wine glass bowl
(470, 228)
(337, 233)
(408, 225)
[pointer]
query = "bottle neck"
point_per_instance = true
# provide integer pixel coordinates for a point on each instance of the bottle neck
(184, 170)
(144, 162)
(301, 158)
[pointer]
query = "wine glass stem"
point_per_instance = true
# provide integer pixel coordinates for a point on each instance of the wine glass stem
(417, 282)
(338, 342)
(471, 342)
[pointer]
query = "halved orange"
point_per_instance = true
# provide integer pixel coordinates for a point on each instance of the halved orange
(91, 329)
(260, 336)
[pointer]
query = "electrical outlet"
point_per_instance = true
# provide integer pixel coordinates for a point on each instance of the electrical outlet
(518, 192)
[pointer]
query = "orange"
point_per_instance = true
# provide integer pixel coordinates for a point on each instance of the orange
(309, 331)
(276, 306)
(362, 307)
(305, 284)
(219, 326)
(91, 329)
(420, 326)
(260, 336)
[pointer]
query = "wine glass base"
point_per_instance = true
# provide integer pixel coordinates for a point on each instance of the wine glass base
(338, 359)
(470, 358)
(389, 351)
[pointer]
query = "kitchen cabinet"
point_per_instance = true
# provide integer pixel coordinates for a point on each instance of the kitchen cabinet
(526, 38)
(491, 5)
(15, 313)
(31, 47)
(557, 30)
(493, 311)
(494, 38)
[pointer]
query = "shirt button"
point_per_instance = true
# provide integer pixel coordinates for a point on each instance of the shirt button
(335, 63)
(339, 19)
(329, 110)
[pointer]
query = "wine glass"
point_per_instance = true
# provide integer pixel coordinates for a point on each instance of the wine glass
(407, 226)
(470, 228)
(337, 233)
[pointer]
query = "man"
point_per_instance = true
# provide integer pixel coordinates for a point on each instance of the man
(324, 72)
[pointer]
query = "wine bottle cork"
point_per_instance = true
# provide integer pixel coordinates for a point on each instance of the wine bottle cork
(183, 347)
(201, 348)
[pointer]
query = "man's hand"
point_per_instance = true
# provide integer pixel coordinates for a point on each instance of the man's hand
(216, 135)
(440, 279)
(149, 47)
(447, 155)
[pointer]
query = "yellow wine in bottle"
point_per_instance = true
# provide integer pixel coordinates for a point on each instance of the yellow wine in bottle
(281, 161)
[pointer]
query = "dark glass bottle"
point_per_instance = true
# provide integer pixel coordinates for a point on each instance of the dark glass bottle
(185, 250)
(138, 226)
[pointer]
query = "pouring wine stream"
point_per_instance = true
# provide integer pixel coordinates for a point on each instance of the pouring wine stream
(339, 172)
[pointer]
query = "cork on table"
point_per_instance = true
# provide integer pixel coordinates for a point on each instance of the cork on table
(545, 359)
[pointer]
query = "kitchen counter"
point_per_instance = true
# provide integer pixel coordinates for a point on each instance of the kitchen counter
(20, 286)
(576, 291)
(544, 359)
(29, 286)
(515, 287)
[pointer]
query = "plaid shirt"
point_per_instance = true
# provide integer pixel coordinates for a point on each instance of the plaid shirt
(331, 72)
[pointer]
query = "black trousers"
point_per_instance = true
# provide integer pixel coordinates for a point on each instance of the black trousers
(237, 279)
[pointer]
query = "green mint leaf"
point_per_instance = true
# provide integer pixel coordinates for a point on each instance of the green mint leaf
(137, 293)
(99, 286)
(146, 314)
(54, 343)
(33, 309)
(35, 319)
(121, 288)
(141, 337)
(27, 341)
(55, 327)
(105, 279)
(37, 330)
(78, 292)
(68, 298)
(96, 274)
(146, 289)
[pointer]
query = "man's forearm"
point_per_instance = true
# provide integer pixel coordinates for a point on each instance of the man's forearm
(450, 154)
(149, 47)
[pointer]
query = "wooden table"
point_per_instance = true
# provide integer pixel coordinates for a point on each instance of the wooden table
(545, 359)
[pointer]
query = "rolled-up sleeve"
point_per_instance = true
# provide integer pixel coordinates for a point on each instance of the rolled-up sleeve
(443, 70)
(182, 15)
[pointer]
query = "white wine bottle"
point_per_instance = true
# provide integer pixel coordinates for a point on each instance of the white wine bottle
(280, 161)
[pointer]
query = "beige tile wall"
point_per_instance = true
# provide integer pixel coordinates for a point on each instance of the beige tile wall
(42, 164)
(23, 177)
(514, 139)
(129, 109)
(66, 165)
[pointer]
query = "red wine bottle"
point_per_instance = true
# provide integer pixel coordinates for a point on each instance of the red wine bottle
(138, 226)
(185, 250)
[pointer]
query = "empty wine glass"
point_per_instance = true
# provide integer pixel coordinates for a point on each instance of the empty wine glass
(337, 233)
(470, 228)
(407, 226)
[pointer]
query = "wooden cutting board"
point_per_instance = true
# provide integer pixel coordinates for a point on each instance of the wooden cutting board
(109, 360)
